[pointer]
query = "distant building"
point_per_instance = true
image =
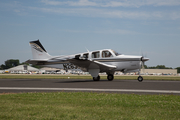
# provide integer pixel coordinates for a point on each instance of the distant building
(159, 71)
(23, 69)
(48, 70)
(1, 71)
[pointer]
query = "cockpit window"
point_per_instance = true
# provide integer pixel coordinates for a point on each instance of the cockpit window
(95, 54)
(116, 53)
(106, 54)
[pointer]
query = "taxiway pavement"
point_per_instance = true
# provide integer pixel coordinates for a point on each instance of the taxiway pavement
(118, 86)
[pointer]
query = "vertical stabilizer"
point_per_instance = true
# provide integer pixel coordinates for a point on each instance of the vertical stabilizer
(38, 51)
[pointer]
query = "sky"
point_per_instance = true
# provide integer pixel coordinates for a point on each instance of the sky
(134, 27)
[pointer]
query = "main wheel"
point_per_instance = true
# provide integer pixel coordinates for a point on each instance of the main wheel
(110, 77)
(96, 78)
(140, 78)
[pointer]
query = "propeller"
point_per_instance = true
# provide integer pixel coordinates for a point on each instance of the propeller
(143, 60)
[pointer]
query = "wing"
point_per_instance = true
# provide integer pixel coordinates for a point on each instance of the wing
(88, 64)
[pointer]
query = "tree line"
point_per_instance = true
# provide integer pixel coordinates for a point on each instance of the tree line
(15, 62)
(161, 67)
(157, 67)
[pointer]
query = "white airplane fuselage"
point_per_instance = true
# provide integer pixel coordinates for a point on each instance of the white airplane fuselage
(122, 62)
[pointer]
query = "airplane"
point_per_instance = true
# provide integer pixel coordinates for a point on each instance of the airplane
(94, 62)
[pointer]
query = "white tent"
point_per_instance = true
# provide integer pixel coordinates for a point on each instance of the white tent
(23, 69)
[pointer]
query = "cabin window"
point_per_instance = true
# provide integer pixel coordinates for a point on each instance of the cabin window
(106, 54)
(85, 55)
(77, 56)
(95, 54)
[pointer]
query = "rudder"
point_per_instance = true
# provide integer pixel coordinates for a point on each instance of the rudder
(38, 51)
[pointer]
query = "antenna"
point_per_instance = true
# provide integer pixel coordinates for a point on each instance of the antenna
(87, 49)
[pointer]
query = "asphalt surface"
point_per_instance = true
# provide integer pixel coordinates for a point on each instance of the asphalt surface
(117, 86)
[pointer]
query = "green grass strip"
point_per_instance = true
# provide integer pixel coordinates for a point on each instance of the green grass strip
(89, 106)
(103, 77)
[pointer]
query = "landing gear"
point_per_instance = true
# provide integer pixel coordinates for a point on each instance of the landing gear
(110, 77)
(140, 79)
(96, 78)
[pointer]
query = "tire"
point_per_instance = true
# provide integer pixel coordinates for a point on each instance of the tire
(96, 78)
(110, 77)
(140, 78)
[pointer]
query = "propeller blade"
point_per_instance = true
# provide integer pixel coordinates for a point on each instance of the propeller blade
(142, 63)
(143, 66)
(144, 59)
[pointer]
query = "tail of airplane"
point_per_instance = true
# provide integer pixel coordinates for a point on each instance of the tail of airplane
(38, 51)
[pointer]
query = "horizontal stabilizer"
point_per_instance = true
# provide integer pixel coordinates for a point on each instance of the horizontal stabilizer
(35, 61)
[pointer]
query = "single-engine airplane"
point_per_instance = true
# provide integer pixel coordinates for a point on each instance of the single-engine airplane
(94, 62)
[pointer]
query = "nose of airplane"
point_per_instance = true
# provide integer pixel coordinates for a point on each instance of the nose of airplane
(144, 59)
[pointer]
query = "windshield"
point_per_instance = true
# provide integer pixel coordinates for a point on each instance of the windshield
(116, 53)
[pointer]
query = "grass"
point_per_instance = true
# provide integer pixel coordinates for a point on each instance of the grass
(27, 76)
(89, 106)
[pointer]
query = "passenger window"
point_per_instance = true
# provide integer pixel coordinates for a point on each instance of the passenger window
(77, 56)
(85, 55)
(95, 55)
(106, 54)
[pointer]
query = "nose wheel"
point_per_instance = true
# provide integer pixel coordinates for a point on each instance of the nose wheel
(140, 79)
(110, 77)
